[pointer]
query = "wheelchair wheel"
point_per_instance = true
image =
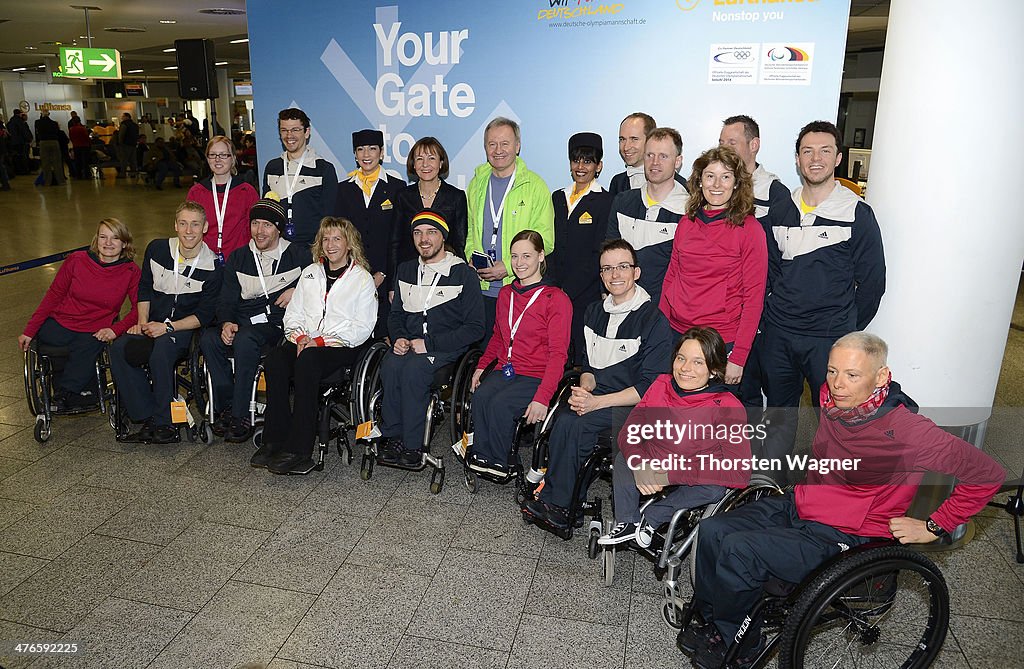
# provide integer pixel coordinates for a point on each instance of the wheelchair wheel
(673, 616)
(883, 607)
(34, 380)
(42, 430)
(436, 481)
(593, 548)
(472, 483)
(257, 437)
(205, 432)
(459, 414)
(760, 487)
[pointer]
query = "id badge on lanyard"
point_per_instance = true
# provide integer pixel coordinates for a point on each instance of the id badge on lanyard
(496, 215)
(508, 370)
(220, 210)
(289, 228)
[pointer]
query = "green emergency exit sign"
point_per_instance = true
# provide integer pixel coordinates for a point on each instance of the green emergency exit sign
(94, 63)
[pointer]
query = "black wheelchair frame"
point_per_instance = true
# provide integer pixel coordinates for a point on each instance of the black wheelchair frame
(40, 366)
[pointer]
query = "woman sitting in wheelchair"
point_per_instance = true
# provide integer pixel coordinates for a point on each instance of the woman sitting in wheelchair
(80, 308)
(331, 313)
(685, 420)
(528, 350)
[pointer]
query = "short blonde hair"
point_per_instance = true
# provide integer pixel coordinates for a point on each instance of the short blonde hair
(872, 345)
(120, 231)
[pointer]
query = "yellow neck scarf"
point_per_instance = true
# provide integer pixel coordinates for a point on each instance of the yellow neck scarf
(366, 181)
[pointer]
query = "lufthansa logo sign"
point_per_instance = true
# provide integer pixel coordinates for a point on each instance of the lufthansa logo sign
(687, 5)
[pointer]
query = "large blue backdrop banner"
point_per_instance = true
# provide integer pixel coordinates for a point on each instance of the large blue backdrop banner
(445, 67)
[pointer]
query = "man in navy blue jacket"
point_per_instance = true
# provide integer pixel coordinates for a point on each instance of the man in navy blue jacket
(828, 281)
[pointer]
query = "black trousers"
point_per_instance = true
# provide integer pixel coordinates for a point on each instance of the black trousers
(80, 368)
(292, 429)
(497, 404)
(738, 552)
(573, 438)
(407, 379)
(232, 389)
(128, 355)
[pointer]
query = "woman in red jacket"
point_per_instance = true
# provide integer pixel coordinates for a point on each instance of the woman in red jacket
(529, 348)
(226, 199)
(708, 423)
(716, 277)
(80, 308)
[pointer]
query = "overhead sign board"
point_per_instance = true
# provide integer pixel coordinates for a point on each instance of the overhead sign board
(95, 63)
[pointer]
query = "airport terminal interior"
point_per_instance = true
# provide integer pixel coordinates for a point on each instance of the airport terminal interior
(185, 556)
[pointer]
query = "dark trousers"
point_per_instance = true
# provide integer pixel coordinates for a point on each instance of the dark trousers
(497, 404)
(5, 182)
(51, 162)
(83, 157)
(294, 428)
(407, 379)
(627, 497)
(573, 438)
(738, 552)
(786, 359)
(165, 167)
(128, 355)
(80, 368)
(232, 389)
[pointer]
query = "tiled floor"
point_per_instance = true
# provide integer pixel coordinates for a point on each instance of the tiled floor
(184, 557)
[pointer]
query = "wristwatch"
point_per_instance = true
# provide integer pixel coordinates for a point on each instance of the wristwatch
(934, 527)
(170, 328)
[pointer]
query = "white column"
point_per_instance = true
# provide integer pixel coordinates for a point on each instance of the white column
(945, 184)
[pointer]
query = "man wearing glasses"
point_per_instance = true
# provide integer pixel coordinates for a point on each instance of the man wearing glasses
(647, 217)
(306, 183)
(629, 343)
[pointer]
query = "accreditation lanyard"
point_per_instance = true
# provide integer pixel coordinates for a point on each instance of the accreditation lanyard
(290, 184)
(327, 292)
(189, 271)
(221, 211)
(496, 214)
(430, 293)
(515, 328)
(259, 273)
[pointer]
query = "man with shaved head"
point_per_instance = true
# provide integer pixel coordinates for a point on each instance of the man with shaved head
(868, 422)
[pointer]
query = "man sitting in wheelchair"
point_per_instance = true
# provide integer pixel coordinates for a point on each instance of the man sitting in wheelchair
(706, 420)
(436, 315)
(177, 294)
(865, 416)
(628, 343)
(259, 280)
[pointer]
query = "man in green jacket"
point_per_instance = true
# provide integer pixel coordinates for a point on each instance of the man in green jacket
(503, 199)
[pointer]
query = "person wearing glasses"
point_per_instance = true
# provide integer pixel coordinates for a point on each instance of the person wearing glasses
(628, 344)
(580, 214)
(719, 265)
(226, 199)
(306, 184)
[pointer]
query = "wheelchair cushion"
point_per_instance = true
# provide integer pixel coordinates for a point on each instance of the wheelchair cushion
(53, 351)
(442, 375)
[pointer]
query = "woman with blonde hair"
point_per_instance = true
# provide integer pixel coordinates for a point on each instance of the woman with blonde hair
(226, 199)
(331, 313)
(80, 309)
(719, 267)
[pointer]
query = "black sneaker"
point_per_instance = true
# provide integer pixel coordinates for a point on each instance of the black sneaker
(482, 466)
(221, 423)
(291, 463)
(165, 434)
(389, 451)
(59, 401)
(239, 430)
(408, 458)
(640, 532)
(81, 401)
(263, 456)
(145, 434)
(712, 655)
(695, 635)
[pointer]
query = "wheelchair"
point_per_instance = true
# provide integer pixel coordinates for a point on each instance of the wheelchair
(343, 405)
(257, 397)
(878, 604)
(188, 371)
(448, 399)
(43, 364)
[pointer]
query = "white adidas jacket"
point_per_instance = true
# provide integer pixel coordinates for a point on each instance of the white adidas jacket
(347, 318)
